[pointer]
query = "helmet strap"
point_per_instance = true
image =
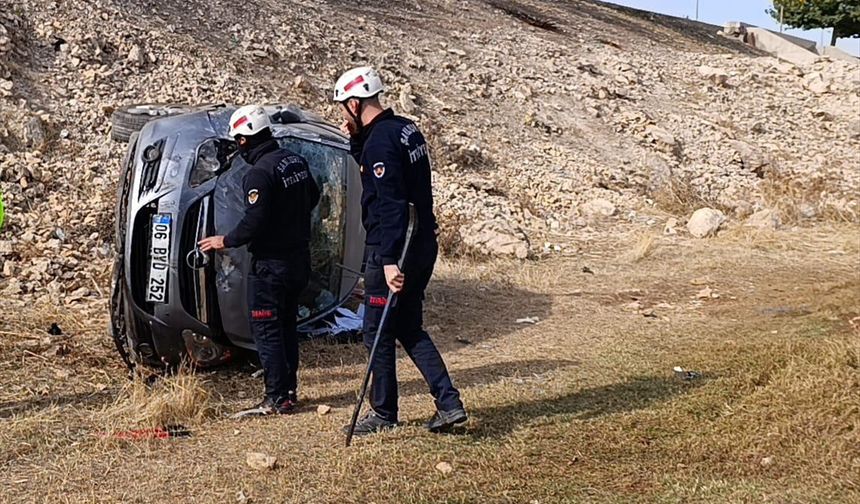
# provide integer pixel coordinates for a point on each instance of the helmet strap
(359, 125)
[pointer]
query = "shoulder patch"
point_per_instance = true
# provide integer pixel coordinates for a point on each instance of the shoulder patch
(379, 170)
(253, 196)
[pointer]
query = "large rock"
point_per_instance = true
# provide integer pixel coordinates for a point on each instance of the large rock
(598, 208)
(496, 238)
(705, 222)
(752, 158)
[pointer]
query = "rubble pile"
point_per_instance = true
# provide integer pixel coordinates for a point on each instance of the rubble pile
(578, 123)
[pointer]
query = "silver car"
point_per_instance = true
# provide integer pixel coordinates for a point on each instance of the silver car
(180, 182)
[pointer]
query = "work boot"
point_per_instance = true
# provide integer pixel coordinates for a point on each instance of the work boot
(371, 423)
(267, 407)
(443, 421)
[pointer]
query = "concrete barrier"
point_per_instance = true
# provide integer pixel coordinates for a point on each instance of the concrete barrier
(801, 52)
(836, 53)
(780, 46)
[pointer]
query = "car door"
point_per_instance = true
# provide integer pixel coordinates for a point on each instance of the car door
(335, 231)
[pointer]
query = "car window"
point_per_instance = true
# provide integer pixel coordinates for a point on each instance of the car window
(328, 165)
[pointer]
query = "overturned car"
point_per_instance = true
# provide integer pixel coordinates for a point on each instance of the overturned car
(180, 182)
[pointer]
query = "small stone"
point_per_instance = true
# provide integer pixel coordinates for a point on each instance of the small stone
(705, 222)
(323, 409)
(766, 461)
(661, 136)
(633, 306)
(816, 82)
(407, 104)
(444, 468)
(135, 55)
(13, 287)
(807, 211)
(764, 219)
(705, 293)
(717, 76)
(261, 461)
(669, 227)
(34, 133)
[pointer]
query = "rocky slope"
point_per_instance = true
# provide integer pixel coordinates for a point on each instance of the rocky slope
(549, 120)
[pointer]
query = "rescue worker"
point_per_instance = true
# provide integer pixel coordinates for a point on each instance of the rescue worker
(279, 194)
(395, 171)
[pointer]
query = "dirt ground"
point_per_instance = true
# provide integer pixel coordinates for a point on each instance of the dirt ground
(582, 406)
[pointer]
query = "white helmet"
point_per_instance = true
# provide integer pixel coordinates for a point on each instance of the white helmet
(361, 82)
(249, 120)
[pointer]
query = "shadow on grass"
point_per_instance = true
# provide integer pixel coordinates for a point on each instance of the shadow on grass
(634, 394)
(458, 313)
(83, 399)
(463, 378)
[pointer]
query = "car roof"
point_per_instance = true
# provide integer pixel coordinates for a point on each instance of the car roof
(214, 120)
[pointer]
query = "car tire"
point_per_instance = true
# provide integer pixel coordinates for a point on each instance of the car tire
(131, 119)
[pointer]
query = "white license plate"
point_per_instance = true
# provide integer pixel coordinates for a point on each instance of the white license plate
(159, 259)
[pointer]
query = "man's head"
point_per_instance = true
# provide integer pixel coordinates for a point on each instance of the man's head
(358, 92)
(250, 126)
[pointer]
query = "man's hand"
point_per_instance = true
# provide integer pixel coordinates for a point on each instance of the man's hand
(393, 277)
(211, 243)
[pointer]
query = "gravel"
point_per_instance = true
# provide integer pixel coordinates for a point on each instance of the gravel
(535, 131)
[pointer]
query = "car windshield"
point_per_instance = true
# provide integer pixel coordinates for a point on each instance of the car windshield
(328, 166)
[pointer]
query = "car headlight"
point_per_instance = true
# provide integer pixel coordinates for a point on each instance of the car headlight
(213, 157)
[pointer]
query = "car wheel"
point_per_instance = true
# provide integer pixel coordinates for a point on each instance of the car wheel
(118, 304)
(128, 120)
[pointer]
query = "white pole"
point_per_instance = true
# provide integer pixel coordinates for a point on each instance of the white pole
(781, 17)
(697, 10)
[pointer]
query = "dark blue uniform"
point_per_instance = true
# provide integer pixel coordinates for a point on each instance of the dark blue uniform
(395, 171)
(280, 194)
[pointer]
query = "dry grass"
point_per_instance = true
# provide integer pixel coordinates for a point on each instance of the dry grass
(180, 399)
(645, 245)
(788, 194)
(581, 407)
(681, 197)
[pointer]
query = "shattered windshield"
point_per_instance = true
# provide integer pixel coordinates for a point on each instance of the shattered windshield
(328, 166)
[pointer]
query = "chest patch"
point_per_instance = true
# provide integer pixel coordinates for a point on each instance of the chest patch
(379, 170)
